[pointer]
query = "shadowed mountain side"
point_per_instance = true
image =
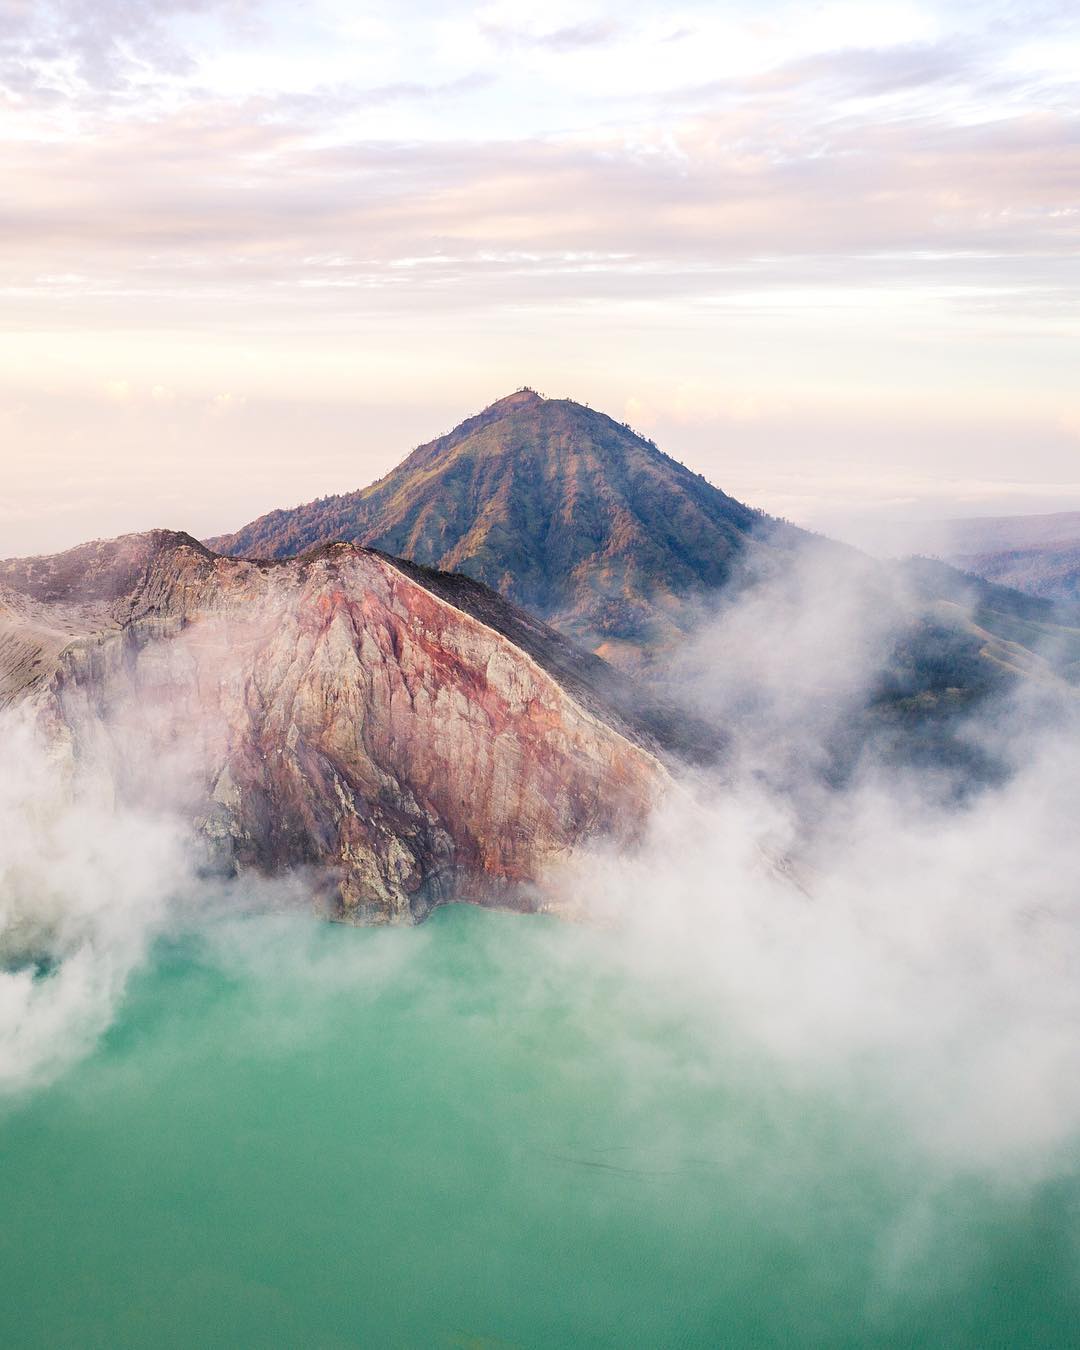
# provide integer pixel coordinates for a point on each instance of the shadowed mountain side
(1051, 571)
(641, 712)
(560, 509)
(1036, 554)
(1025, 634)
(331, 712)
(958, 647)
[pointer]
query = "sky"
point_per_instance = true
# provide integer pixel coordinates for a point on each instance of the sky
(253, 253)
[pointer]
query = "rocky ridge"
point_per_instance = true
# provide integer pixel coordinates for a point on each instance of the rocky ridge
(340, 711)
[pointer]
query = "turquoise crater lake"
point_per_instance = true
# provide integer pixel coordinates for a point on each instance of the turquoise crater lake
(476, 1134)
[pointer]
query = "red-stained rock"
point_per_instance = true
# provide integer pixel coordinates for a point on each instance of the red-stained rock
(330, 711)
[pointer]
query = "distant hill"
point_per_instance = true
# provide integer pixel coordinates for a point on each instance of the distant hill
(562, 510)
(1052, 572)
(1022, 634)
(995, 534)
(1039, 554)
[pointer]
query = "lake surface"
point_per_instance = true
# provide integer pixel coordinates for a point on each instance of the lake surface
(476, 1135)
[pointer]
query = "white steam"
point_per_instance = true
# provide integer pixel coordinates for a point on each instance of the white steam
(917, 954)
(84, 888)
(914, 951)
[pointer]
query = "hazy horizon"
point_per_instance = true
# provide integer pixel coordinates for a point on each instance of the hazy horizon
(824, 254)
(882, 527)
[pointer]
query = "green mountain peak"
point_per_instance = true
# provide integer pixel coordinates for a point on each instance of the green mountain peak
(562, 509)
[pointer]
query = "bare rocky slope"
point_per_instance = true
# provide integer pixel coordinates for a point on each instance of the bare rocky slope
(409, 736)
(560, 509)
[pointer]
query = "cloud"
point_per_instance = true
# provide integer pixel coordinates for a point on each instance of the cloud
(909, 951)
(678, 192)
(897, 933)
(237, 197)
(84, 889)
(817, 213)
(877, 72)
(568, 38)
(66, 49)
(98, 862)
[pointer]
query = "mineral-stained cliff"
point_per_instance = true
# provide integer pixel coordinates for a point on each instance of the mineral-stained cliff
(337, 711)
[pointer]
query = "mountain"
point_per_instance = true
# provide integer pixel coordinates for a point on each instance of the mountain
(1037, 554)
(995, 534)
(1020, 633)
(408, 736)
(1052, 572)
(560, 509)
(572, 515)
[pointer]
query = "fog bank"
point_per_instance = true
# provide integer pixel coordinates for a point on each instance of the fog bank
(901, 930)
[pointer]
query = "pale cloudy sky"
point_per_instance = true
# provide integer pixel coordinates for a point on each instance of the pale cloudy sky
(826, 253)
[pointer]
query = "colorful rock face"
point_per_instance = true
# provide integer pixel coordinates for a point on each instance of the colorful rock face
(330, 712)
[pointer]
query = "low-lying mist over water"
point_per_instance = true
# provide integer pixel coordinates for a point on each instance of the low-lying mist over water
(804, 1070)
(483, 1133)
